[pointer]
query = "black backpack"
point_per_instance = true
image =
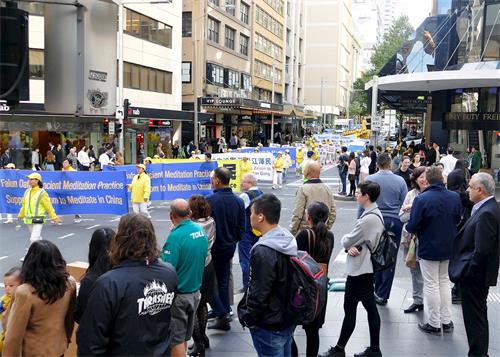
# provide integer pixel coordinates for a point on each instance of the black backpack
(384, 255)
(308, 288)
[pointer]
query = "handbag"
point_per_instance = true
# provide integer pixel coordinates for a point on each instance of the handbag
(411, 257)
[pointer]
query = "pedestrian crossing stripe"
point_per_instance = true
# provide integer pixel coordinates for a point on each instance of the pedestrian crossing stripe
(494, 297)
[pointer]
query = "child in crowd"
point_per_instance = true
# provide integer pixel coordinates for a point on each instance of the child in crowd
(11, 280)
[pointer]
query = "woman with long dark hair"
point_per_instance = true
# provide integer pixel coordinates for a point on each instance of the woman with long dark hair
(128, 309)
(317, 240)
(200, 213)
(98, 264)
(40, 321)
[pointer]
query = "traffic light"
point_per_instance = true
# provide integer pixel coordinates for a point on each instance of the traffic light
(118, 128)
(105, 126)
(14, 54)
(126, 106)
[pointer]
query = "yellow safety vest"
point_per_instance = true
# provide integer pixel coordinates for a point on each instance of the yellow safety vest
(32, 206)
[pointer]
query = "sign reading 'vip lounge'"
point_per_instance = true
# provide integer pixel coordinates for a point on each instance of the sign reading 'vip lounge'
(472, 121)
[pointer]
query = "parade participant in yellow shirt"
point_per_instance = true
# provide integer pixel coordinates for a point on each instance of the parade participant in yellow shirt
(278, 171)
(246, 166)
(287, 163)
(35, 204)
(298, 161)
(141, 190)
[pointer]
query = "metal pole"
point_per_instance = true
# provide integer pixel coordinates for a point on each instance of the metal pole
(195, 88)
(374, 108)
(272, 100)
(120, 74)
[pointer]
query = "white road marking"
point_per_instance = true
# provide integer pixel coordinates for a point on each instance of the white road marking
(341, 257)
(115, 219)
(87, 219)
(162, 220)
(94, 226)
(4, 257)
(66, 236)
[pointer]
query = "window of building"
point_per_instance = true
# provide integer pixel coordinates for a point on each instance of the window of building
(146, 78)
(277, 5)
(288, 8)
(231, 79)
(148, 29)
(265, 71)
(269, 22)
(36, 62)
(213, 29)
(262, 44)
(186, 72)
(231, 7)
(244, 12)
(215, 2)
(160, 81)
(187, 24)
(215, 74)
(492, 29)
(168, 82)
(134, 69)
(246, 82)
(244, 45)
(229, 37)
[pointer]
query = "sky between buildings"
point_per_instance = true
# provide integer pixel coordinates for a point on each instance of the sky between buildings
(416, 10)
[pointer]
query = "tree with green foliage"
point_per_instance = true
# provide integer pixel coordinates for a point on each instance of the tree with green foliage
(398, 33)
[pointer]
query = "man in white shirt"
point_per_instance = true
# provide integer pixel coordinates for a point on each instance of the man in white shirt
(104, 159)
(448, 162)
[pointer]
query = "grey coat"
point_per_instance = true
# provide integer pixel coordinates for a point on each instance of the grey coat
(366, 232)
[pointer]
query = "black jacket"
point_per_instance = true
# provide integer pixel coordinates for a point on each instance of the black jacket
(265, 301)
(128, 311)
(228, 211)
(5, 159)
(86, 286)
(476, 249)
(373, 164)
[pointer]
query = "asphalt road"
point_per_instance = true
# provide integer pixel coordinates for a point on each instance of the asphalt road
(73, 238)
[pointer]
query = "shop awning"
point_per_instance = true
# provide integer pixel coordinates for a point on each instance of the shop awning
(442, 80)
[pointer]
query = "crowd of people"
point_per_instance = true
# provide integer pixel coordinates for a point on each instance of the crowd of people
(138, 299)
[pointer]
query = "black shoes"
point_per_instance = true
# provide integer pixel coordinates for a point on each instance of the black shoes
(197, 350)
(221, 323)
(380, 301)
(414, 308)
(334, 352)
(370, 352)
(429, 329)
(448, 328)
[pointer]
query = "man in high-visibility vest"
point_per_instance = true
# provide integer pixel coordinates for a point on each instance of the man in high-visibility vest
(298, 161)
(141, 190)
(278, 171)
(35, 205)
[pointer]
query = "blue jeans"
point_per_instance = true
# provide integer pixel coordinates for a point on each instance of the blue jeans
(343, 179)
(272, 343)
(220, 302)
(383, 279)
(244, 246)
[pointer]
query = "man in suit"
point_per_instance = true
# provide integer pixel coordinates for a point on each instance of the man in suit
(475, 260)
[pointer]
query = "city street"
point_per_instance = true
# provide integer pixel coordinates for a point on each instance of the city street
(399, 333)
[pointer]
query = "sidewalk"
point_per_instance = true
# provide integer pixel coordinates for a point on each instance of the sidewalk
(399, 334)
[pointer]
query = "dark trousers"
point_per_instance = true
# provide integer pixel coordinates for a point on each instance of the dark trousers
(244, 247)
(343, 179)
(383, 279)
(359, 289)
(475, 314)
(220, 302)
(352, 189)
